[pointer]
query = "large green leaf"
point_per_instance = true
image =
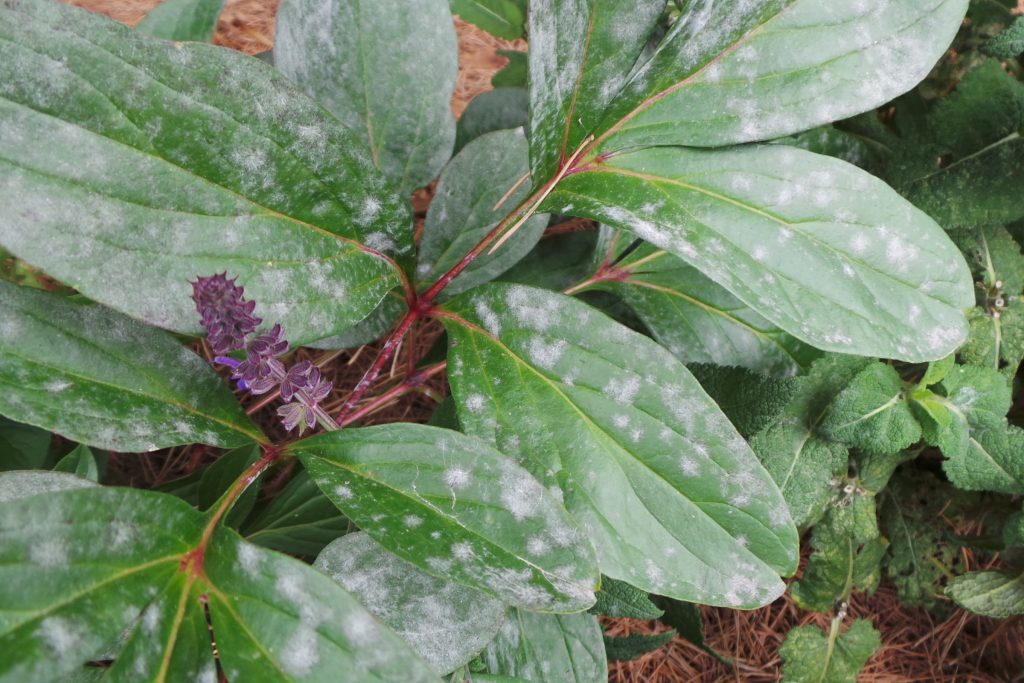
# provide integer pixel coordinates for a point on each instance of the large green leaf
(22, 446)
(24, 483)
(462, 211)
(581, 52)
(499, 109)
(991, 593)
(275, 617)
(446, 623)
(453, 506)
(182, 20)
(386, 68)
(671, 495)
(820, 248)
(100, 378)
(107, 574)
(548, 648)
(698, 320)
(135, 165)
(730, 73)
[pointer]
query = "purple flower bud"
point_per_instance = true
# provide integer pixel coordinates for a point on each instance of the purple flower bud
(224, 313)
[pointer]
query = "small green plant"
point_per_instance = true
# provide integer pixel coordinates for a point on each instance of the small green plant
(768, 335)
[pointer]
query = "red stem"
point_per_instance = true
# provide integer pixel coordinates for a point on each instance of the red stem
(382, 358)
(193, 559)
(410, 383)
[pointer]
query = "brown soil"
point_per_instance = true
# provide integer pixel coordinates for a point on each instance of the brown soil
(917, 647)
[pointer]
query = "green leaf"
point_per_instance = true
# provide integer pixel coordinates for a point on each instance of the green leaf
(138, 164)
(872, 414)
(811, 656)
(299, 520)
(989, 593)
(557, 262)
(775, 225)
(686, 619)
(621, 600)
(182, 20)
(993, 461)
(548, 648)
(581, 53)
(937, 371)
(108, 573)
(77, 568)
(698, 320)
(637, 449)
(502, 18)
(271, 613)
(105, 380)
(18, 484)
(841, 144)
(910, 516)
(22, 447)
(371, 328)
(385, 68)
(446, 623)
(802, 463)
(500, 109)
(463, 211)
(80, 462)
(965, 170)
(1007, 44)
(994, 257)
(996, 341)
(453, 506)
(513, 74)
(751, 401)
(1013, 532)
(839, 565)
(726, 74)
(218, 478)
(635, 645)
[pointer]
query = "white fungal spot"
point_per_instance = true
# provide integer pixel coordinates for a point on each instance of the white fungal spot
(457, 478)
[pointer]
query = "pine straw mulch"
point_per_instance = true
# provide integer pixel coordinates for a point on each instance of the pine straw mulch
(917, 646)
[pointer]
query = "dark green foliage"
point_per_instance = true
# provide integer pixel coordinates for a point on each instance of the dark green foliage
(619, 599)
(635, 645)
(749, 399)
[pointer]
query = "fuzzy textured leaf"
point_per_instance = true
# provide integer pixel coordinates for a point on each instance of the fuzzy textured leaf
(727, 73)
(386, 68)
(619, 599)
(182, 20)
(989, 593)
(635, 446)
(462, 211)
(455, 507)
(872, 414)
(136, 164)
(750, 400)
(803, 463)
(446, 623)
(811, 656)
(548, 648)
(102, 379)
(820, 248)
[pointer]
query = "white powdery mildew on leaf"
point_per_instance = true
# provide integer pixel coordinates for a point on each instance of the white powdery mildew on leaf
(249, 559)
(621, 432)
(60, 636)
(445, 623)
(457, 478)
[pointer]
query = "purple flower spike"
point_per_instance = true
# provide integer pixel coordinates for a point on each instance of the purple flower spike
(297, 415)
(225, 314)
(261, 371)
